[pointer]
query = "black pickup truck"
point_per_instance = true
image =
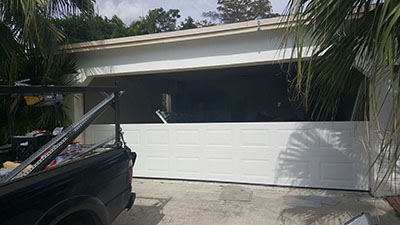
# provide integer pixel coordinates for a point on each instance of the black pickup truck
(92, 188)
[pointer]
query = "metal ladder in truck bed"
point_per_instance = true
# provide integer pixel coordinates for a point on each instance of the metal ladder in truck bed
(58, 143)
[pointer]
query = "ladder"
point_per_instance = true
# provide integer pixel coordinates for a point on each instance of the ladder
(58, 143)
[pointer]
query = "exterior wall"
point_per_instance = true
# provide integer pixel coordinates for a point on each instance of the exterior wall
(300, 154)
(259, 47)
(382, 119)
(75, 109)
(319, 154)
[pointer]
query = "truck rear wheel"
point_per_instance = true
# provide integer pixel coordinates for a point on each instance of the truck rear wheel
(79, 218)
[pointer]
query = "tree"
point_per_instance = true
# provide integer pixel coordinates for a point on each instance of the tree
(118, 27)
(188, 23)
(25, 28)
(29, 48)
(89, 27)
(240, 10)
(156, 21)
(351, 36)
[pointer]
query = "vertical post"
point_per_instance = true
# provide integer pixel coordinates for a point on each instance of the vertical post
(116, 116)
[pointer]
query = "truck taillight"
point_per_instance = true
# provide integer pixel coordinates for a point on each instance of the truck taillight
(130, 171)
(130, 174)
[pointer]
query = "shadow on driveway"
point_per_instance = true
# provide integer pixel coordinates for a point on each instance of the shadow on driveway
(339, 214)
(146, 211)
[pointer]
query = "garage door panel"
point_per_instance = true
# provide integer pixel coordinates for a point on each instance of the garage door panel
(331, 171)
(296, 139)
(257, 168)
(155, 150)
(188, 167)
(133, 136)
(293, 169)
(187, 137)
(219, 168)
(259, 153)
(217, 138)
(219, 151)
(336, 139)
(309, 154)
(188, 152)
(253, 138)
(156, 137)
(157, 164)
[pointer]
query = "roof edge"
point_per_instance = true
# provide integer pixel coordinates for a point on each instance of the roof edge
(175, 36)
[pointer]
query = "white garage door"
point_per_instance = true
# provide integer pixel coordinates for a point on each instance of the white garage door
(309, 154)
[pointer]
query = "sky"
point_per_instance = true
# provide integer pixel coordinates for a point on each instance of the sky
(130, 10)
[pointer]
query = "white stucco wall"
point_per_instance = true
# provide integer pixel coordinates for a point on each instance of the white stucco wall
(382, 126)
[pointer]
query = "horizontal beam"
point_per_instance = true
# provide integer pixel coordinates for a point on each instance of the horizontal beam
(6, 90)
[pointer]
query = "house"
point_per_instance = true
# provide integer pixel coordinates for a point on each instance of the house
(231, 112)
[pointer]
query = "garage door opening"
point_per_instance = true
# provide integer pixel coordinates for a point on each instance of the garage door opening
(235, 125)
(245, 94)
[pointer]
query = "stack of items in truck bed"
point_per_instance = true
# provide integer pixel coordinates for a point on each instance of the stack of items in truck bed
(22, 147)
(8, 166)
(25, 146)
(74, 148)
(5, 153)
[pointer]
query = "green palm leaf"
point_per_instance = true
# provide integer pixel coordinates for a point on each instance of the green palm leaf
(29, 48)
(351, 36)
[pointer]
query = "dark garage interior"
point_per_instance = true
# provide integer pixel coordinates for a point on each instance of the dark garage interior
(242, 94)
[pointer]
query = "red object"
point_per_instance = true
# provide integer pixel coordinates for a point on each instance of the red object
(52, 162)
(395, 203)
(60, 156)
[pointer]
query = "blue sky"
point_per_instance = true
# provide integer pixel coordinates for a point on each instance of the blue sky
(129, 10)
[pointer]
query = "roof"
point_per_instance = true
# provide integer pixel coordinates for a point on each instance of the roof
(175, 36)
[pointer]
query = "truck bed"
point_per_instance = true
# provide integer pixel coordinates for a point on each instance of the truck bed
(98, 186)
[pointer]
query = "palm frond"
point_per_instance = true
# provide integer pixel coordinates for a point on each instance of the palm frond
(29, 48)
(346, 36)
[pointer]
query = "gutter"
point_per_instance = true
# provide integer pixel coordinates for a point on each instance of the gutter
(176, 36)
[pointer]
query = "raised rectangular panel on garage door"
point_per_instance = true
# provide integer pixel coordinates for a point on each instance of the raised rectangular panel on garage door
(309, 154)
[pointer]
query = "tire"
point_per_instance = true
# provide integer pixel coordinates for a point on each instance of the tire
(78, 218)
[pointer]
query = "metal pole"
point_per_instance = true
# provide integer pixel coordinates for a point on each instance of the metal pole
(116, 113)
(158, 112)
(357, 101)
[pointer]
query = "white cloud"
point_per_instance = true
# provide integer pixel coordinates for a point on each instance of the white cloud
(278, 6)
(130, 10)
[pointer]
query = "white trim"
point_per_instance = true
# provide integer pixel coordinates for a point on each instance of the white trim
(184, 35)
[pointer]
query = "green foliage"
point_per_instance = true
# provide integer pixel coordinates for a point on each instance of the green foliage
(351, 35)
(240, 10)
(88, 27)
(156, 21)
(188, 23)
(29, 48)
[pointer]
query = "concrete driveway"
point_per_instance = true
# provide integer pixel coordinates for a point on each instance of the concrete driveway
(165, 202)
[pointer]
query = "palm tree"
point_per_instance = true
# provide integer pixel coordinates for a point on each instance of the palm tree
(26, 29)
(29, 48)
(351, 36)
